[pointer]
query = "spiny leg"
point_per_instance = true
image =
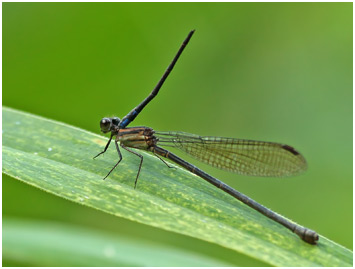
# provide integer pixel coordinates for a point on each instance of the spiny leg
(140, 165)
(120, 155)
(106, 147)
(163, 161)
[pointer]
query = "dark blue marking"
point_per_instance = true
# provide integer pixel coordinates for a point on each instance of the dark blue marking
(135, 113)
(125, 123)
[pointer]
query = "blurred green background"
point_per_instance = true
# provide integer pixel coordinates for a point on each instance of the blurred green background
(267, 71)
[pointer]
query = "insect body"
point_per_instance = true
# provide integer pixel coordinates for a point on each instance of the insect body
(247, 157)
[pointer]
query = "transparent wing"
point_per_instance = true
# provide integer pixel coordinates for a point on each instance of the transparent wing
(245, 157)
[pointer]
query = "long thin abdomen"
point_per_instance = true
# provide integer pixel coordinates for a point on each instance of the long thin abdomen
(305, 234)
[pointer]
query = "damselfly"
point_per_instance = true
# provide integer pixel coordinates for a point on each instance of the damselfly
(246, 157)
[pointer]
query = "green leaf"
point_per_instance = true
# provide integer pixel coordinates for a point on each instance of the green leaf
(57, 158)
(75, 246)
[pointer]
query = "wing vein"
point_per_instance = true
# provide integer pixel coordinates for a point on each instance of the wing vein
(246, 157)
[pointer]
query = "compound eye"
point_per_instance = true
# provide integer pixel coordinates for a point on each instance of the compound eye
(115, 121)
(105, 125)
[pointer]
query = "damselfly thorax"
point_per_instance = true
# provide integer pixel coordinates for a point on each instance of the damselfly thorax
(137, 137)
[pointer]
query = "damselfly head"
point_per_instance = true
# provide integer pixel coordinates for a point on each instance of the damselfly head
(115, 121)
(107, 124)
